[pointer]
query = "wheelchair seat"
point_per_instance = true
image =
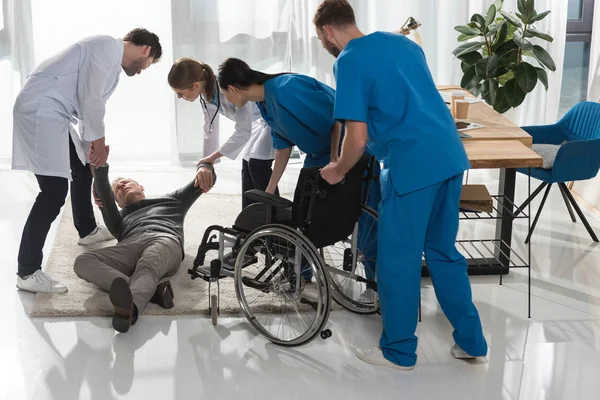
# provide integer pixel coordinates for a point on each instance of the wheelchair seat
(255, 215)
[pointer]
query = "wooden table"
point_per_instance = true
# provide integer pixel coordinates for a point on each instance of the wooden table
(503, 145)
(496, 125)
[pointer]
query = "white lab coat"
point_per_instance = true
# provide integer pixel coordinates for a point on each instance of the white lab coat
(70, 88)
(251, 137)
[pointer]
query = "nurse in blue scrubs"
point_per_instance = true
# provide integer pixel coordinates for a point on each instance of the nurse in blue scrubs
(299, 110)
(389, 102)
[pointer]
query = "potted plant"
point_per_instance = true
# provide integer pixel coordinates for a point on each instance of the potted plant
(499, 60)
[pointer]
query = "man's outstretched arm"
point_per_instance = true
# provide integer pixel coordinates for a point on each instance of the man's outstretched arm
(204, 181)
(110, 212)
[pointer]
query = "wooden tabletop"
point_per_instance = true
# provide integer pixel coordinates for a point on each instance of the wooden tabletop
(501, 154)
(496, 126)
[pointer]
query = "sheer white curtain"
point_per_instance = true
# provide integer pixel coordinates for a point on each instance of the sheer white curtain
(139, 120)
(16, 61)
(278, 35)
(594, 76)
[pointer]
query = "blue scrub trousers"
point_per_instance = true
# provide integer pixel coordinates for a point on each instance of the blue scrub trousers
(424, 220)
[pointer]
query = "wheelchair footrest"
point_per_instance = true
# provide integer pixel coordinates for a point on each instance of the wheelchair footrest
(204, 273)
(229, 260)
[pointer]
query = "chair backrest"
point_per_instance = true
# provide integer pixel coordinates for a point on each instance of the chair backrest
(327, 213)
(582, 122)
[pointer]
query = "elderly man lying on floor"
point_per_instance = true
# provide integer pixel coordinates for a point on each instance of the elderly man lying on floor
(150, 242)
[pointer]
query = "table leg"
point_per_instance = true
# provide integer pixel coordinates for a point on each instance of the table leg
(504, 225)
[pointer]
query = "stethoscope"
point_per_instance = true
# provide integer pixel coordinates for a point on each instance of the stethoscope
(210, 127)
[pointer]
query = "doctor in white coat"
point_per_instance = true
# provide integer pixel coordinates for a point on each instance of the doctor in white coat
(70, 88)
(251, 140)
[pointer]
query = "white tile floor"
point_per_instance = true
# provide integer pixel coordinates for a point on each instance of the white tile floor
(554, 355)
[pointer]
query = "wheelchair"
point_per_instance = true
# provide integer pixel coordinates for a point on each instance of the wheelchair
(274, 243)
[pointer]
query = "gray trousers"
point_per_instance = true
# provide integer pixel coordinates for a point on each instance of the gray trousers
(142, 260)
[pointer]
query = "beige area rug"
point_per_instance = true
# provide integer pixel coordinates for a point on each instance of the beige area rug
(191, 296)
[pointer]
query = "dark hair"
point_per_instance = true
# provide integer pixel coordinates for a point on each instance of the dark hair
(143, 37)
(338, 13)
(236, 72)
(186, 71)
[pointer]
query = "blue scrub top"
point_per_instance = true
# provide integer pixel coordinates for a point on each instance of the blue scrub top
(299, 110)
(383, 79)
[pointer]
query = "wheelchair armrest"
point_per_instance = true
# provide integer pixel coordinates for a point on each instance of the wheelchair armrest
(268, 198)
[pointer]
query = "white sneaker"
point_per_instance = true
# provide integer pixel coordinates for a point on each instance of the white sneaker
(100, 234)
(40, 282)
(374, 355)
(459, 353)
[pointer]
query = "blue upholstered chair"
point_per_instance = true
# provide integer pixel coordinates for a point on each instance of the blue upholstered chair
(578, 157)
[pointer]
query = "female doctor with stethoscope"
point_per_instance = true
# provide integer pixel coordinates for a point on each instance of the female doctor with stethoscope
(193, 80)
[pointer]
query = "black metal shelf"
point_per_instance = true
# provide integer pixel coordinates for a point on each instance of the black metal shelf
(487, 253)
(501, 205)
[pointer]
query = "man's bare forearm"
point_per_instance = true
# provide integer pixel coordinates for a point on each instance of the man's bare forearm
(281, 159)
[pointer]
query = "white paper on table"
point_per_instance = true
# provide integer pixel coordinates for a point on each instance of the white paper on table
(446, 97)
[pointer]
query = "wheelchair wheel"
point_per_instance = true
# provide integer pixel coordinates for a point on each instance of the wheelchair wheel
(349, 283)
(272, 291)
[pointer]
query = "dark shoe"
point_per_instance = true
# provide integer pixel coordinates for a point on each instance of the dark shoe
(122, 300)
(164, 295)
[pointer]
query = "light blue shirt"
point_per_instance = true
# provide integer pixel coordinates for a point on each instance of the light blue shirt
(383, 80)
(299, 110)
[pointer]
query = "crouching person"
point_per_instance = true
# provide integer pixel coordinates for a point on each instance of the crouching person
(150, 242)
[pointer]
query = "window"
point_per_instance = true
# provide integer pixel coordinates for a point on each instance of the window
(577, 54)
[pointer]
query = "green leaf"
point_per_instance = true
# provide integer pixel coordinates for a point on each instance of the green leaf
(467, 30)
(514, 94)
(539, 17)
(520, 16)
(493, 90)
(471, 58)
(495, 29)
(502, 33)
(529, 8)
(511, 19)
(478, 18)
(465, 67)
(523, 43)
(464, 37)
(501, 105)
(466, 48)
(544, 58)
(521, 6)
(528, 53)
(538, 34)
(469, 79)
(498, 4)
(502, 79)
(542, 76)
(486, 67)
(491, 14)
(526, 76)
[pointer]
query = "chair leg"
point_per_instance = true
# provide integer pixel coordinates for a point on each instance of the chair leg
(533, 196)
(537, 216)
(581, 216)
(566, 199)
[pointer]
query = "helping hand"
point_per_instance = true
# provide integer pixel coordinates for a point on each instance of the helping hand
(204, 179)
(331, 175)
(98, 156)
